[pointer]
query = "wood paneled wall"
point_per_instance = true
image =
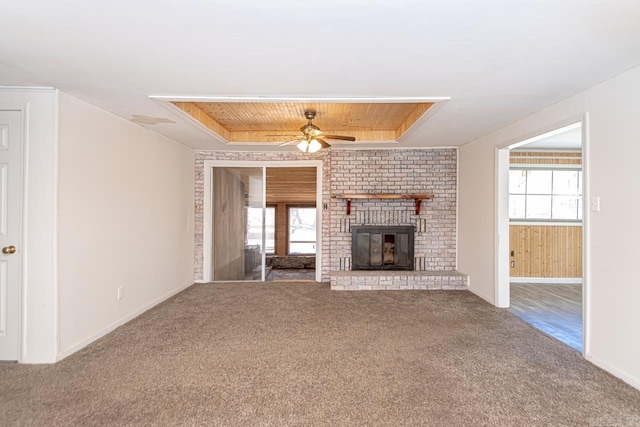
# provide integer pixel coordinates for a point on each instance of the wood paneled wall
(282, 229)
(546, 250)
(228, 225)
(545, 158)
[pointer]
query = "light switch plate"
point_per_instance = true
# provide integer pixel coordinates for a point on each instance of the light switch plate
(595, 204)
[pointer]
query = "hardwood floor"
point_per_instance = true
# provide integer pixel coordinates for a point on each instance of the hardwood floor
(555, 309)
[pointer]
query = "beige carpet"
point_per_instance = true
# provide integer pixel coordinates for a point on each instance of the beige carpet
(298, 354)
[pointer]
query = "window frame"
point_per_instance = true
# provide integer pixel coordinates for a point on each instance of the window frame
(299, 205)
(275, 228)
(552, 168)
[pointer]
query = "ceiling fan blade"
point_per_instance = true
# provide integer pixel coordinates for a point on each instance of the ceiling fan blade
(324, 143)
(339, 137)
(293, 141)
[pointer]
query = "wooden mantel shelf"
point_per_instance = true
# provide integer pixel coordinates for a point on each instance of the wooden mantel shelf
(418, 198)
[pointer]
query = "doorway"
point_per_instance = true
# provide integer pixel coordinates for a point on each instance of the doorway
(292, 233)
(262, 221)
(11, 199)
(544, 195)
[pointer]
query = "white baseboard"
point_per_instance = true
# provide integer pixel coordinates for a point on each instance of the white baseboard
(201, 281)
(624, 376)
(490, 299)
(577, 280)
(69, 351)
(37, 361)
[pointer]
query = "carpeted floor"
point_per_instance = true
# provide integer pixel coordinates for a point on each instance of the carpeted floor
(298, 354)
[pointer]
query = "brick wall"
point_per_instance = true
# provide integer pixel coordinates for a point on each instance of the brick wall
(397, 172)
(364, 171)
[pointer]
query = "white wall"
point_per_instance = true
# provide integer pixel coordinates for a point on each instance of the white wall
(126, 198)
(39, 107)
(611, 154)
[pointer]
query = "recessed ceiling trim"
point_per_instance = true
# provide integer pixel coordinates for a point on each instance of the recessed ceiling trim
(192, 120)
(372, 100)
(245, 122)
(420, 120)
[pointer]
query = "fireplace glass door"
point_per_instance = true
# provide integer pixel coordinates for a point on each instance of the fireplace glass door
(382, 248)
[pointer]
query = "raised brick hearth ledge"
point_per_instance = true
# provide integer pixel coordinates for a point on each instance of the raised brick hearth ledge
(397, 280)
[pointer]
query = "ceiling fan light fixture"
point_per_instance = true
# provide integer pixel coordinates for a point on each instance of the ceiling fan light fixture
(313, 139)
(303, 146)
(314, 145)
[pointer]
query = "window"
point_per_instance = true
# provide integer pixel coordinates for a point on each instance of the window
(270, 230)
(541, 194)
(302, 230)
(254, 224)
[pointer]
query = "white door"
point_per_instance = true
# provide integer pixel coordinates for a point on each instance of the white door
(10, 232)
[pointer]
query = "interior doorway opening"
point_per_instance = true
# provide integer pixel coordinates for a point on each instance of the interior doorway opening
(541, 276)
(292, 230)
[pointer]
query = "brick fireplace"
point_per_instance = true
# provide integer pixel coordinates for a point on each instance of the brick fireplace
(395, 172)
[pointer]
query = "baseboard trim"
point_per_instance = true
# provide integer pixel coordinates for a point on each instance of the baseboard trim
(572, 280)
(624, 376)
(487, 298)
(37, 361)
(201, 281)
(78, 346)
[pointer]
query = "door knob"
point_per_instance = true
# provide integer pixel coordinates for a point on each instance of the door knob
(9, 249)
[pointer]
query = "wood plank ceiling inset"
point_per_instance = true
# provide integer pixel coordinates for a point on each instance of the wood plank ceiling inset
(284, 185)
(291, 185)
(247, 116)
(281, 121)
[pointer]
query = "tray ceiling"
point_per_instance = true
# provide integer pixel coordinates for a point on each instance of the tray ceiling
(271, 122)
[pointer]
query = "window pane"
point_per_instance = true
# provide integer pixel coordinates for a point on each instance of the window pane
(517, 181)
(539, 182)
(539, 207)
(254, 227)
(580, 182)
(565, 207)
(516, 206)
(302, 230)
(565, 182)
(302, 248)
(270, 237)
(579, 207)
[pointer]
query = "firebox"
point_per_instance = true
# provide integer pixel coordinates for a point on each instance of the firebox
(382, 247)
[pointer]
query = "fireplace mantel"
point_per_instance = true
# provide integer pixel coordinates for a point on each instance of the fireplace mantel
(418, 198)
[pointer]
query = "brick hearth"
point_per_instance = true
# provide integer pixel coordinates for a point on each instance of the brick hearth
(397, 280)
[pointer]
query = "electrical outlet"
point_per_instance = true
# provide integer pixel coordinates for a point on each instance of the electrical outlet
(120, 293)
(513, 264)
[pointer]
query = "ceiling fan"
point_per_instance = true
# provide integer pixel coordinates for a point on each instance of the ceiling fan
(312, 138)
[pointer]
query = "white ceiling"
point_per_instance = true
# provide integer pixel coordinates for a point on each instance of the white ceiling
(570, 139)
(498, 60)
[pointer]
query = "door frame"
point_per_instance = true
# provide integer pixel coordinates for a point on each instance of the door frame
(20, 242)
(207, 230)
(38, 341)
(501, 257)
